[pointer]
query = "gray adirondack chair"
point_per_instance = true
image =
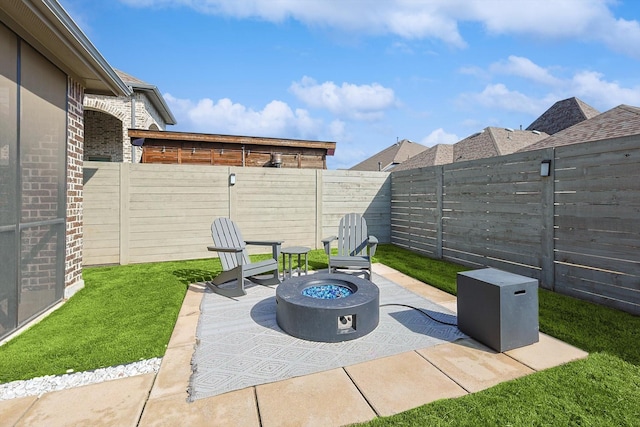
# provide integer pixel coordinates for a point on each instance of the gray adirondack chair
(355, 246)
(236, 265)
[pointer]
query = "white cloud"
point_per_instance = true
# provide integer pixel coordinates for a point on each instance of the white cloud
(360, 102)
(337, 130)
(621, 36)
(524, 67)
(584, 20)
(276, 119)
(554, 19)
(592, 86)
(473, 71)
(439, 136)
(500, 97)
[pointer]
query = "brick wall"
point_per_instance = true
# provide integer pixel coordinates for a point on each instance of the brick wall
(103, 136)
(74, 225)
(107, 120)
(147, 114)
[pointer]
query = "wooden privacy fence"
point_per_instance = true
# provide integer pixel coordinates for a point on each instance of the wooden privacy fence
(151, 212)
(577, 231)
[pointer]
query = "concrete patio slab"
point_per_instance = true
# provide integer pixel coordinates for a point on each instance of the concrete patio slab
(546, 353)
(111, 403)
(397, 383)
(451, 305)
(474, 366)
(12, 410)
(184, 332)
(382, 269)
(325, 399)
(192, 299)
(237, 408)
(415, 286)
(174, 374)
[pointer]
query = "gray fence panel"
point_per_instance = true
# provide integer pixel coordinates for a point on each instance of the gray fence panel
(597, 250)
(576, 231)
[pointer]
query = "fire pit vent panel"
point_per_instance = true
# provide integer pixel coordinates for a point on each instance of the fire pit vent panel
(327, 307)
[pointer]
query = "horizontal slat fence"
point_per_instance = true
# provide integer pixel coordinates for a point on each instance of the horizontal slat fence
(153, 212)
(576, 231)
(597, 232)
(367, 193)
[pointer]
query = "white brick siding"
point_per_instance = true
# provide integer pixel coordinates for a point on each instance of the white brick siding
(107, 119)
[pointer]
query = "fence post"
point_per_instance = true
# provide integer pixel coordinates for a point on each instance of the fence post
(547, 277)
(319, 210)
(439, 204)
(124, 213)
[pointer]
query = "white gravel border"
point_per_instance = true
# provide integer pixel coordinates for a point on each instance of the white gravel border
(49, 383)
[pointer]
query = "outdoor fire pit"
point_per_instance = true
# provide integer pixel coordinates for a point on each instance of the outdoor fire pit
(327, 307)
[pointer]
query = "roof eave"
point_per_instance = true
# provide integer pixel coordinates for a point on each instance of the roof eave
(61, 41)
(158, 101)
(329, 146)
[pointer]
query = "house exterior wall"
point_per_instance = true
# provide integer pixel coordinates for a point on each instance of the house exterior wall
(41, 181)
(74, 197)
(146, 114)
(107, 133)
(103, 136)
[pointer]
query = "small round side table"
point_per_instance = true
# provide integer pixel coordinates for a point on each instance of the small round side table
(294, 250)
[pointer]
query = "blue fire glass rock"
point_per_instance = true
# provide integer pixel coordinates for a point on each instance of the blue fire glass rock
(327, 291)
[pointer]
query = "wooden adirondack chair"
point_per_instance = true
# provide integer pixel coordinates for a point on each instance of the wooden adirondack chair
(355, 246)
(236, 265)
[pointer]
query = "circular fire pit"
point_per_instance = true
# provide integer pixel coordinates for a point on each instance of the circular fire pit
(327, 307)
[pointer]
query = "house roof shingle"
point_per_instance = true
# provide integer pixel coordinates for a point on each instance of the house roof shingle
(489, 142)
(391, 156)
(439, 154)
(562, 115)
(623, 120)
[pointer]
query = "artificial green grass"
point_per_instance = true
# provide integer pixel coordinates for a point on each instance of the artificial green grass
(602, 390)
(124, 314)
(590, 327)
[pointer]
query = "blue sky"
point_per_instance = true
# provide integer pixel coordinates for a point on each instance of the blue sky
(365, 73)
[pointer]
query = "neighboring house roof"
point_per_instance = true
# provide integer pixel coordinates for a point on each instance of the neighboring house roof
(390, 157)
(623, 120)
(46, 26)
(140, 135)
(152, 92)
(439, 154)
(489, 142)
(563, 114)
